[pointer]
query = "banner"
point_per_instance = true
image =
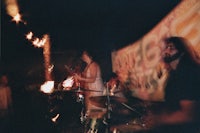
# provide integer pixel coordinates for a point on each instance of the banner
(139, 64)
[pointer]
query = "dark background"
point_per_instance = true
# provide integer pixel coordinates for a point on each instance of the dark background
(103, 25)
(73, 24)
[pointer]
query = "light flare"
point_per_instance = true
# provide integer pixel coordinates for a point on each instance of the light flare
(17, 18)
(29, 36)
(12, 9)
(50, 69)
(55, 118)
(39, 42)
(47, 87)
(68, 83)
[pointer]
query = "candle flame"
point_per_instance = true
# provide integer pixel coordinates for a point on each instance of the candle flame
(47, 87)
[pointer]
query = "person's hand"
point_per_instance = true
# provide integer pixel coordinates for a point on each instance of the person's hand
(77, 77)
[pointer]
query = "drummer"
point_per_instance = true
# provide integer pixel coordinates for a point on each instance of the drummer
(90, 79)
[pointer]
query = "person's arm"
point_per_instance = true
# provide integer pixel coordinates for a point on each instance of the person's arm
(183, 115)
(93, 74)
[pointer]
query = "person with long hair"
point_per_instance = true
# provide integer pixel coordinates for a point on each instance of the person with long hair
(182, 91)
(92, 83)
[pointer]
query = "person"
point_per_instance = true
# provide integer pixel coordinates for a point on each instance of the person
(92, 82)
(5, 103)
(180, 112)
(114, 86)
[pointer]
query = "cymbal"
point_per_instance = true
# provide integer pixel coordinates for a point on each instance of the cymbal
(92, 90)
(68, 90)
(101, 101)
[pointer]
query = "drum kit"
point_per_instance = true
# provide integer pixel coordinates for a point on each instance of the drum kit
(117, 116)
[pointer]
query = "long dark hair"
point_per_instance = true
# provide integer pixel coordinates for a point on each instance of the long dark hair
(90, 52)
(184, 46)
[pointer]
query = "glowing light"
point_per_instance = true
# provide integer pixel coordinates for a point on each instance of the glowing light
(50, 69)
(39, 42)
(35, 40)
(12, 7)
(68, 83)
(115, 130)
(55, 118)
(47, 87)
(17, 18)
(29, 36)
